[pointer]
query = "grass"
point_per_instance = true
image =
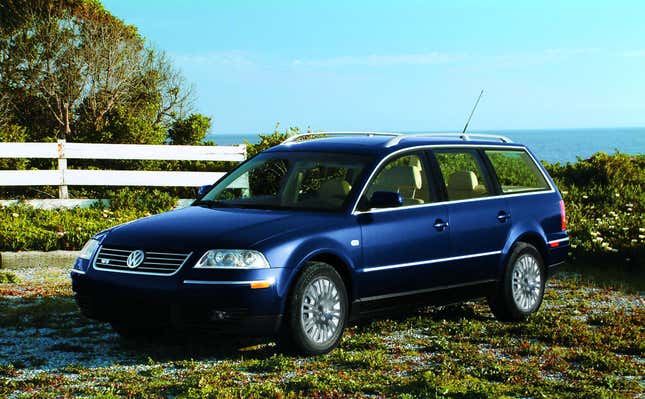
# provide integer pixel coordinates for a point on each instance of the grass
(586, 341)
(7, 277)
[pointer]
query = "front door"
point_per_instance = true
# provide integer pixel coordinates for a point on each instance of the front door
(403, 247)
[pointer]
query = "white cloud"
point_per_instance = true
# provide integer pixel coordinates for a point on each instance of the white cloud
(377, 60)
(539, 57)
(566, 52)
(634, 53)
(381, 60)
(234, 58)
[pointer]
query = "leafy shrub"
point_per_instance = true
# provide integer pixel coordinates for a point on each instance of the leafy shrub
(267, 141)
(26, 228)
(152, 201)
(185, 130)
(13, 133)
(604, 196)
(189, 131)
(605, 201)
(8, 278)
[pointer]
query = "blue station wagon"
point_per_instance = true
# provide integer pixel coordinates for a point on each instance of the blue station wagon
(328, 228)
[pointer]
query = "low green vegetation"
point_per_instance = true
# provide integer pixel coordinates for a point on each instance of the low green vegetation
(586, 341)
(605, 199)
(28, 228)
(604, 196)
(8, 277)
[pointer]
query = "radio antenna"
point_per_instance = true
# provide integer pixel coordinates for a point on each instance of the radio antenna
(473, 111)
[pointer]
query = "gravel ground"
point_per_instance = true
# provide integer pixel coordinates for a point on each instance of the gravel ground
(79, 341)
(43, 334)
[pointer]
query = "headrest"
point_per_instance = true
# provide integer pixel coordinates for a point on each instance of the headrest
(463, 180)
(335, 188)
(402, 176)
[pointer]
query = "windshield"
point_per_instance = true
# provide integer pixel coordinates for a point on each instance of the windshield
(290, 180)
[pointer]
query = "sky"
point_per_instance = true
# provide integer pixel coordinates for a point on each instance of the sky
(403, 65)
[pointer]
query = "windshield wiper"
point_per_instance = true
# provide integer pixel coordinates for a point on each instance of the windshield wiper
(212, 203)
(259, 206)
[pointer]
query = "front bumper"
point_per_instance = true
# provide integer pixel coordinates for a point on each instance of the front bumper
(222, 301)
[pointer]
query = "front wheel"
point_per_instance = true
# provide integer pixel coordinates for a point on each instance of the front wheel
(522, 289)
(316, 311)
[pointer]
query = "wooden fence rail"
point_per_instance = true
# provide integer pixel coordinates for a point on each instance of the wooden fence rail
(63, 177)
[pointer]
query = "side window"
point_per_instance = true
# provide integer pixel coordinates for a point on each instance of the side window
(405, 175)
(462, 174)
(516, 171)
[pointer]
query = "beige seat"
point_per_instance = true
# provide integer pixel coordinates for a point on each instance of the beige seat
(463, 184)
(403, 179)
(334, 189)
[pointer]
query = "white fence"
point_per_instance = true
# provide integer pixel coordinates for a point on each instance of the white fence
(63, 177)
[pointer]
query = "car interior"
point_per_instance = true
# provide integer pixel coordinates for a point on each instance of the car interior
(464, 184)
(405, 176)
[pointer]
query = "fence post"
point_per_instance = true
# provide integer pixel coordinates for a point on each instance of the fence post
(62, 167)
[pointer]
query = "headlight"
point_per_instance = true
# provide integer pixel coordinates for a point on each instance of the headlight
(233, 259)
(89, 248)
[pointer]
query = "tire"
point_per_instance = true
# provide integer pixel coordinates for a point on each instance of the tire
(308, 329)
(521, 291)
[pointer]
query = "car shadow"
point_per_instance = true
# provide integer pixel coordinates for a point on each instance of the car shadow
(172, 345)
(49, 333)
(448, 312)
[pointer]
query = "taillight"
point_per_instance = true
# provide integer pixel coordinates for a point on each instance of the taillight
(563, 216)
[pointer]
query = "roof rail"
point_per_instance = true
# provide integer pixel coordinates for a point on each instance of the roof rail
(463, 136)
(338, 133)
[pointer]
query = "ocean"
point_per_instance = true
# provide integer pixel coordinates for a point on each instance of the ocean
(552, 145)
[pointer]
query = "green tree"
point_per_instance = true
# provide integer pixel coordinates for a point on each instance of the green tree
(69, 67)
(271, 139)
(189, 131)
(13, 133)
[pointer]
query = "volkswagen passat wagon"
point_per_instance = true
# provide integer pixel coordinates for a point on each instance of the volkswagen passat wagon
(324, 229)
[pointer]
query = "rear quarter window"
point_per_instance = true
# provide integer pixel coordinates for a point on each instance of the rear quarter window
(516, 171)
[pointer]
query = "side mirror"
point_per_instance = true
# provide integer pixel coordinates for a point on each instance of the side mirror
(203, 190)
(385, 199)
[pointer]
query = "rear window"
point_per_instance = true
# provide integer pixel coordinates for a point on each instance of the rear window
(462, 174)
(516, 171)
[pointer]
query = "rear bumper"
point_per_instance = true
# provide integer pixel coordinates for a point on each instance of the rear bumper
(226, 308)
(556, 255)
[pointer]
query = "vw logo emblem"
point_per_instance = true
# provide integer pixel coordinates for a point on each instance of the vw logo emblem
(135, 259)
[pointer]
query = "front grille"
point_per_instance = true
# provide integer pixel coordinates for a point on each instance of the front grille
(160, 263)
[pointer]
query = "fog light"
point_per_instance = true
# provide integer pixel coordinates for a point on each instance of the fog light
(218, 315)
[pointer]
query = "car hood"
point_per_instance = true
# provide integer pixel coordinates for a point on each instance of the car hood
(199, 228)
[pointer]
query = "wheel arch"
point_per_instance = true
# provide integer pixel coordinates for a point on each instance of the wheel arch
(530, 237)
(340, 263)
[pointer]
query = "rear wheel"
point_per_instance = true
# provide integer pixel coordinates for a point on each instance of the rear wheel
(316, 311)
(521, 291)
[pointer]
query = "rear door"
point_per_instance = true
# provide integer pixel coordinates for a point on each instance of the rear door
(480, 219)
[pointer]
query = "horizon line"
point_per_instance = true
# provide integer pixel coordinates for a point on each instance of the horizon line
(455, 131)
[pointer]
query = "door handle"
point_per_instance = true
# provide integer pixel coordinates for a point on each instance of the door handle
(440, 225)
(503, 216)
